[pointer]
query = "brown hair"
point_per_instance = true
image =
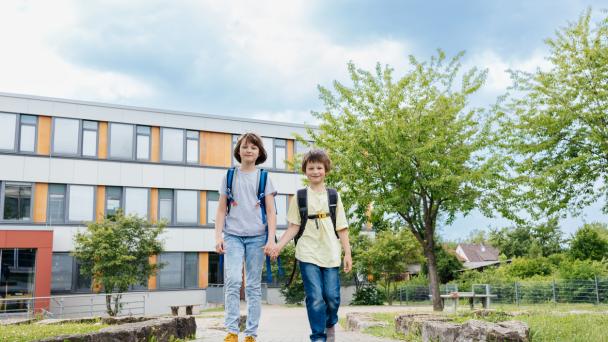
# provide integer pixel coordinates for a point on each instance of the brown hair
(316, 156)
(251, 138)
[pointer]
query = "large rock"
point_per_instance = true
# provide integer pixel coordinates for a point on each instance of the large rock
(159, 330)
(359, 321)
(412, 323)
(475, 331)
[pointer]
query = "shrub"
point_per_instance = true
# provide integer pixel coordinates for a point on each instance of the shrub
(368, 295)
(294, 294)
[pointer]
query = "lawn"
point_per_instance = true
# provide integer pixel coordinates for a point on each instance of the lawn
(572, 323)
(30, 332)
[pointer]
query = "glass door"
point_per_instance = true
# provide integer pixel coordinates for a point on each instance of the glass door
(17, 274)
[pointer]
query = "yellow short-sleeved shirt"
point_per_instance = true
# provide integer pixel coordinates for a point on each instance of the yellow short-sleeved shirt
(318, 246)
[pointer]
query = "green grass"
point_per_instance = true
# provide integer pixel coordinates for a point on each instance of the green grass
(545, 325)
(29, 332)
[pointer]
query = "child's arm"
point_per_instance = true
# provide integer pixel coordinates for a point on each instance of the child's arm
(348, 260)
(271, 219)
(220, 217)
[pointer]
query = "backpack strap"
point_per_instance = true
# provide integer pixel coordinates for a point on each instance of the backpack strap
(332, 201)
(261, 195)
(302, 196)
(230, 176)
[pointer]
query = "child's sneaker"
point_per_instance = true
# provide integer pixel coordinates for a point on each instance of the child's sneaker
(249, 339)
(231, 338)
(331, 334)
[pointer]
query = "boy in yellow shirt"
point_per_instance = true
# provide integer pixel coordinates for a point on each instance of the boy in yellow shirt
(318, 249)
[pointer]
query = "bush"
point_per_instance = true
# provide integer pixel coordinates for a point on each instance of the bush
(368, 295)
(294, 294)
(526, 268)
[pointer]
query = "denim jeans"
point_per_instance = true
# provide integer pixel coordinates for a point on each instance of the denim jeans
(322, 288)
(250, 249)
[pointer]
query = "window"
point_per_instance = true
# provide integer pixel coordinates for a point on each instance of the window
(269, 163)
(192, 147)
(17, 201)
(62, 271)
(215, 272)
(172, 145)
(281, 204)
(121, 141)
(213, 198)
(27, 133)
(65, 136)
(136, 202)
(8, 125)
(81, 203)
(113, 200)
(235, 138)
(302, 148)
(180, 270)
(17, 274)
(89, 138)
(280, 152)
(56, 203)
(143, 143)
(165, 205)
(186, 207)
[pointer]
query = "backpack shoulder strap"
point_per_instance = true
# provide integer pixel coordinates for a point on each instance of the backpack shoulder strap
(263, 177)
(229, 188)
(302, 196)
(332, 200)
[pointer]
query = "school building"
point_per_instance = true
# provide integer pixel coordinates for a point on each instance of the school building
(64, 163)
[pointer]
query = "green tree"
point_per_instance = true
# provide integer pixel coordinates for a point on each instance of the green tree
(388, 256)
(531, 240)
(115, 254)
(587, 243)
(554, 126)
(411, 146)
(448, 265)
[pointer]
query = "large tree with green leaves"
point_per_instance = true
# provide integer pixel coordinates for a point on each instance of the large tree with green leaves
(529, 239)
(412, 146)
(588, 243)
(115, 254)
(554, 125)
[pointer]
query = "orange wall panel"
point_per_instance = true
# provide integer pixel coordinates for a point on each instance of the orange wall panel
(100, 210)
(44, 135)
(41, 192)
(155, 144)
(203, 208)
(203, 270)
(290, 150)
(102, 151)
(153, 205)
(152, 279)
(216, 149)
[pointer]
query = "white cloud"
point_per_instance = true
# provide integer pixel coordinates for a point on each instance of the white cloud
(30, 64)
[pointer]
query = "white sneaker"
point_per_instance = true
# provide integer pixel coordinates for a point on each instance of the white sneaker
(331, 334)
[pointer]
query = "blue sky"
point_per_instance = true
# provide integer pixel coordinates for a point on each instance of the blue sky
(262, 59)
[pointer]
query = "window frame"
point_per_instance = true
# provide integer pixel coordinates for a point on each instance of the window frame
(17, 130)
(198, 147)
(173, 207)
(78, 139)
(162, 140)
(207, 200)
(183, 271)
(123, 201)
(105, 199)
(133, 142)
(74, 276)
(274, 155)
(81, 144)
(68, 196)
(2, 200)
(20, 127)
(176, 223)
(65, 204)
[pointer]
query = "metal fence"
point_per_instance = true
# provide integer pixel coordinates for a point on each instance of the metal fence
(70, 306)
(555, 291)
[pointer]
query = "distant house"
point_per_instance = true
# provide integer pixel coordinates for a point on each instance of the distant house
(475, 256)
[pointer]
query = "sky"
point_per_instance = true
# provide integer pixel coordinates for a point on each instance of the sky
(264, 59)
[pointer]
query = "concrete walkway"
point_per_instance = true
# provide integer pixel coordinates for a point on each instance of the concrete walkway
(290, 324)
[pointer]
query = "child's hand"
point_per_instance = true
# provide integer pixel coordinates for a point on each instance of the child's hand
(219, 246)
(270, 247)
(348, 263)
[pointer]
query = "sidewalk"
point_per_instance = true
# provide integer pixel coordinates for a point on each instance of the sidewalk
(290, 324)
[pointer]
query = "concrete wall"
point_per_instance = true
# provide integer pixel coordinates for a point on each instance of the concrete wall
(274, 296)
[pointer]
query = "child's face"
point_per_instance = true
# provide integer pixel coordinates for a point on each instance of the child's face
(249, 152)
(315, 172)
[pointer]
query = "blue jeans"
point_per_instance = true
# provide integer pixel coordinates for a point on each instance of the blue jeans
(250, 249)
(322, 288)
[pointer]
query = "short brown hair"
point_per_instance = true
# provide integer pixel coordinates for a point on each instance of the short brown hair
(251, 138)
(316, 156)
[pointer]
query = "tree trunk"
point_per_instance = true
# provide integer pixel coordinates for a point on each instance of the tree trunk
(434, 278)
(388, 293)
(111, 313)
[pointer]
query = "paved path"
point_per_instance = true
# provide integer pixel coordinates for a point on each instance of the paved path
(289, 324)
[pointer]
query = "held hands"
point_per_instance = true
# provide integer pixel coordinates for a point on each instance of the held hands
(272, 251)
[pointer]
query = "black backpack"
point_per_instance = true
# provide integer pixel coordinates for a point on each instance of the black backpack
(302, 195)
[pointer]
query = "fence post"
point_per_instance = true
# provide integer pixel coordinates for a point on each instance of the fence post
(597, 291)
(516, 295)
(406, 298)
(554, 294)
(91, 307)
(61, 308)
(144, 303)
(400, 296)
